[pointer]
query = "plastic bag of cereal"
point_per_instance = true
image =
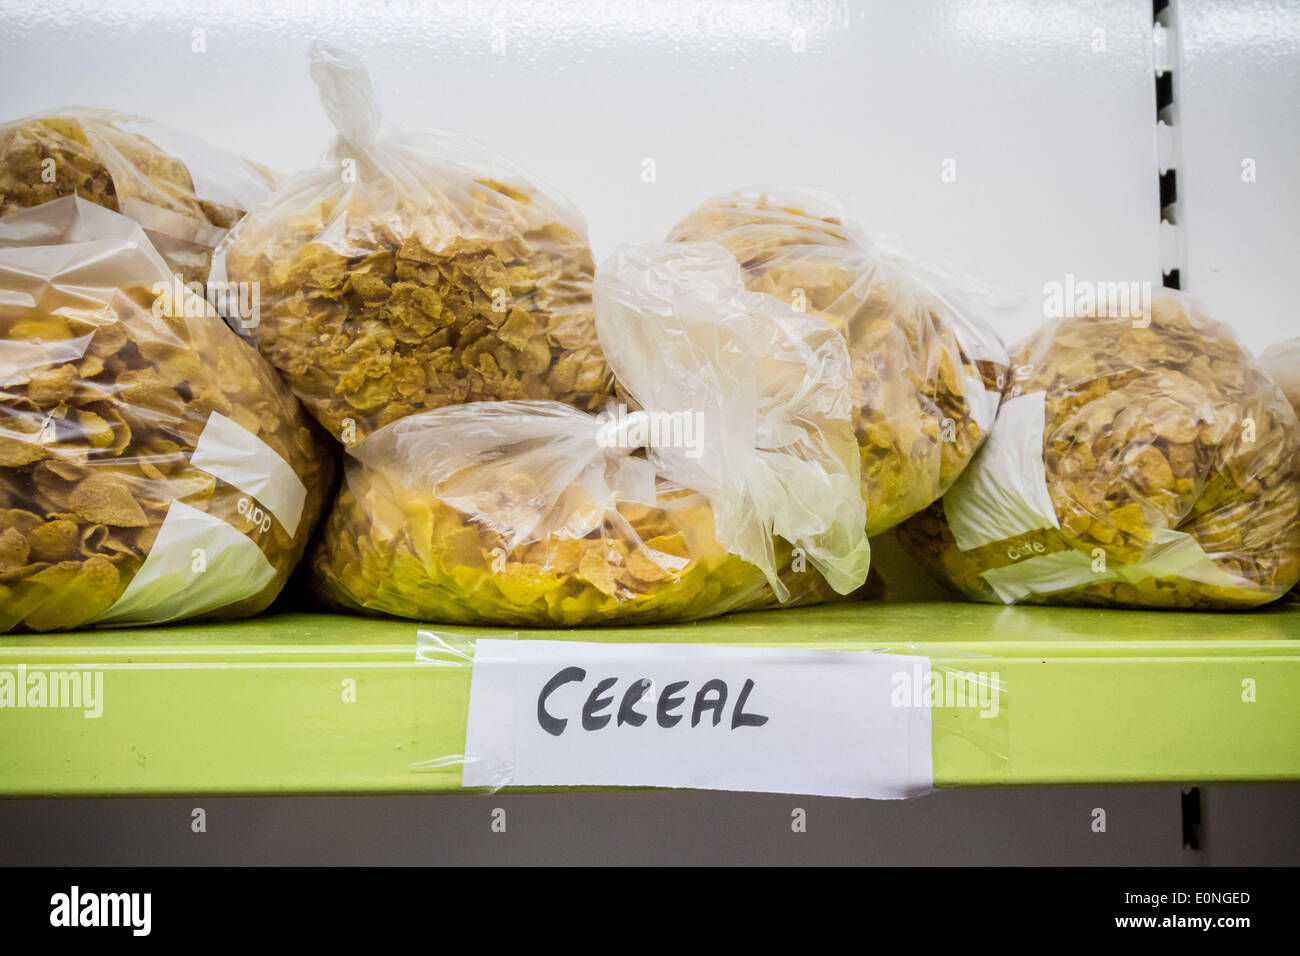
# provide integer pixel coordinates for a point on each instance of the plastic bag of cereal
(415, 270)
(728, 482)
(185, 193)
(927, 369)
(153, 466)
(1140, 461)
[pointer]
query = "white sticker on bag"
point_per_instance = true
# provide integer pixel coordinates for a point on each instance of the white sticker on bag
(232, 453)
(1003, 494)
(1170, 554)
(197, 564)
(983, 403)
(567, 713)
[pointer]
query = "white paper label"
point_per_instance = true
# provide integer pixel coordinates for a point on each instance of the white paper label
(567, 713)
(232, 453)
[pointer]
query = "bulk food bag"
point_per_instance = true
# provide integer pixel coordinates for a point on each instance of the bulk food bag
(726, 479)
(927, 368)
(152, 465)
(1143, 461)
(185, 193)
(1282, 361)
(415, 270)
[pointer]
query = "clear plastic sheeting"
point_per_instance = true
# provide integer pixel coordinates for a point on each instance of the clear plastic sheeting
(927, 368)
(1141, 460)
(450, 649)
(153, 466)
(1282, 361)
(724, 479)
(415, 270)
(185, 193)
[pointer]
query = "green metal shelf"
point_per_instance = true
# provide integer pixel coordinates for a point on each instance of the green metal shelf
(1095, 696)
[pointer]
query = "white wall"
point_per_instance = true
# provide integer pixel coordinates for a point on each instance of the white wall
(1238, 101)
(1047, 108)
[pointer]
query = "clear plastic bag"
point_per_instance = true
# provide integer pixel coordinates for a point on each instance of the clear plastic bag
(729, 480)
(928, 370)
(415, 270)
(185, 193)
(1142, 461)
(1282, 361)
(152, 465)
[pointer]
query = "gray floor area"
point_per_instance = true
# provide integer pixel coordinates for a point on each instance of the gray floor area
(1143, 825)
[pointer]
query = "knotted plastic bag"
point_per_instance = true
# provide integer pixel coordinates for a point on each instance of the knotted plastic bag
(153, 466)
(1144, 461)
(927, 368)
(725, 479)
(415, 270)
(185, 193)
